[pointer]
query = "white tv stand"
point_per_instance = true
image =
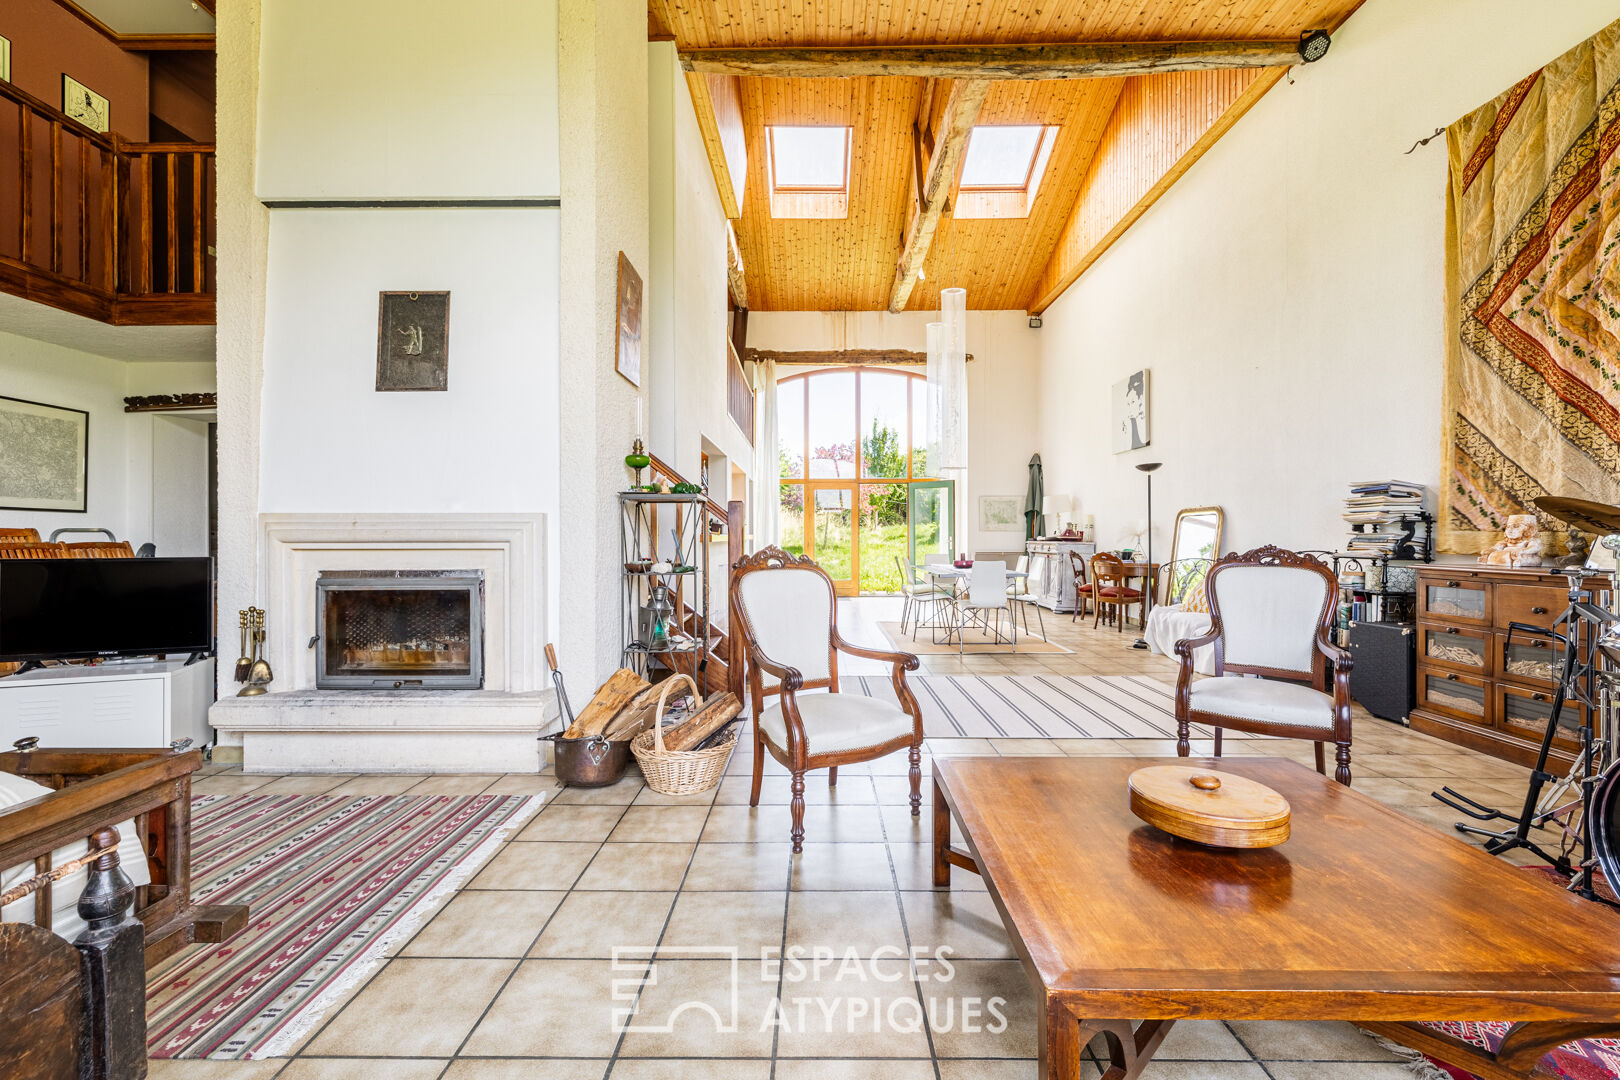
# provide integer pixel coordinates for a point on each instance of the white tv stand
(142, 704)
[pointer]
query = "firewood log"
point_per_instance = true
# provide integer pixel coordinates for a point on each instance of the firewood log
(715, 713)
(635, 717)
(620, 689)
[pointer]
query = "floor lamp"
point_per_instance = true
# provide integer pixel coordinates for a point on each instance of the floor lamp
(1148, 581)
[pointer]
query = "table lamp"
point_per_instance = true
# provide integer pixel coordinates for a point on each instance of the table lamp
(1054, 506)
(1148, 590)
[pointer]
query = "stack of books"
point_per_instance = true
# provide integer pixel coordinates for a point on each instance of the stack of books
(1384, 516)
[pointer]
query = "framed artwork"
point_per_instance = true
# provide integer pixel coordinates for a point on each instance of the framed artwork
(5, 59)
(413, 341)
(1130, 412)
(46, 449)
(627, 344)
(1001, 513)
(85, 105)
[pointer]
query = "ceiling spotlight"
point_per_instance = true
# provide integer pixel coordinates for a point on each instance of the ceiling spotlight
(1313, 45)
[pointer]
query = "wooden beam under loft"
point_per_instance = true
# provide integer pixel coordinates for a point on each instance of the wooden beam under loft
(717, 101)
(980, 62)
(961, 110)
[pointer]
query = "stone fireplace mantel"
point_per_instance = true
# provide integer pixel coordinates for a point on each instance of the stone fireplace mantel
(297, 727)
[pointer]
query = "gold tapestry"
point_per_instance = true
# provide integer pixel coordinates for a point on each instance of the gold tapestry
(1532, 391)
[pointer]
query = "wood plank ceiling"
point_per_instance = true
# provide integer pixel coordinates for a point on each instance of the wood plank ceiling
(1005, 263)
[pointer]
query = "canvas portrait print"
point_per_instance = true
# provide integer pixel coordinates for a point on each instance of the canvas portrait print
(413, 341)
(85, 105)
(46, 451)
(1130, 412)
(627, 345)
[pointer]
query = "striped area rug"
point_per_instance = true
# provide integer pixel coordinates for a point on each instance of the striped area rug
(331, 882)
(1039, 706)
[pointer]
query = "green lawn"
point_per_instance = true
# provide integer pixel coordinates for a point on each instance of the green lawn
(879, 546)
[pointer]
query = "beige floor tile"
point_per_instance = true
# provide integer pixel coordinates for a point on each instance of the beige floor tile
(1200, 1040)
(1091, 747)
(842, 921)
(489, 924)
(524, 784)
(660, 824)
(843, 867)
(605, 925)
(966, 923)
(739, 867)
(308, 784)
(377, 784)
(737, 823)
(555, 1008)
(1301, 1040)
(648, 797)
(790, 1069)
(914, 869)
(1025, 747)
(392, 1017)
(526, 1069)
(985, 1009)
(162, 1069)
(703, 1008)
(560, 821)
(960, 747)
(860, 1016)
(896, 790)
(1204, 1070)
(623, 793)
(453, 784)
(637, 867)
(901, 826)
(363, 1069)
(541, 864)
(897, 764)
(1338, 1070)
(736, 789)
(692, 1069)
(1003, 1070)
(749, 921)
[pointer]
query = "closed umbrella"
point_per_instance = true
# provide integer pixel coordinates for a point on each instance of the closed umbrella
(1034, 522)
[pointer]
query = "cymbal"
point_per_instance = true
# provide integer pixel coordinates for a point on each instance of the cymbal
(1583, 514)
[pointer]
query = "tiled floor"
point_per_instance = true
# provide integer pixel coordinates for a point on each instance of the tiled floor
(513, 978)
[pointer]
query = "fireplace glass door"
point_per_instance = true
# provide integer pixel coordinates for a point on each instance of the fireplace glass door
(401, 633)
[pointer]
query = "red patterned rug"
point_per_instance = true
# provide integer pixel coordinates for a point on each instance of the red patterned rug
(331, 881)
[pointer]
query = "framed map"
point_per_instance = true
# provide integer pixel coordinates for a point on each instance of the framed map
(1001, 513)
(46, 451)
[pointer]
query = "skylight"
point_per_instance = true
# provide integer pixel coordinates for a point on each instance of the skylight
(1001, 157)
(809, 158)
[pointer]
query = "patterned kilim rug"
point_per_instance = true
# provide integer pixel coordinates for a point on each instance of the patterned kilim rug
(331, 882)
(1039, 706)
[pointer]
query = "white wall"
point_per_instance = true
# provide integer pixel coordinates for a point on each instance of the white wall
(332, 442)
(686, 289)
(1287, 293)
(411, 98)
(1002, 384)
(127, 470)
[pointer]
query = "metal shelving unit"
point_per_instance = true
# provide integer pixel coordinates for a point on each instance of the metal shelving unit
(673, 529)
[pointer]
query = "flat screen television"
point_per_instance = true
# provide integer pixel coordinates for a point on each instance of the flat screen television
(59, 609)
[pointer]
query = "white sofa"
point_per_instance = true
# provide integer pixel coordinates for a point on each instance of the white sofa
(1168, 624)
(65, 919)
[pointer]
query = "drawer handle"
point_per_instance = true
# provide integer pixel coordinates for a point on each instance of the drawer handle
(1538, 611)
(1452, 677)
(1452, 630)
(1538, 697)
(1452, 584)
(1538, 644)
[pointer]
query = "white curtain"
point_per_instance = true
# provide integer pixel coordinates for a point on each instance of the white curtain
(765, 524)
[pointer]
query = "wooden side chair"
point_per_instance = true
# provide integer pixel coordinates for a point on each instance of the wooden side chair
(45, 550)
(1082, 584)
(1111, 587)
(783, 607)
(1271, 616)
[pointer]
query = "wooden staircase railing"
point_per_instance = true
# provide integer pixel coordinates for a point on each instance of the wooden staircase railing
(105, 228)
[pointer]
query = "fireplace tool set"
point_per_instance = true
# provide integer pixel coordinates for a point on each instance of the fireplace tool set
(251, 667)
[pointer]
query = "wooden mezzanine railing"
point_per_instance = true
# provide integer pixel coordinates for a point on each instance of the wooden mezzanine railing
(102, 227)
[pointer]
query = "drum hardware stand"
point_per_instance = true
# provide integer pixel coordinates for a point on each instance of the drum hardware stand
(1575, 674)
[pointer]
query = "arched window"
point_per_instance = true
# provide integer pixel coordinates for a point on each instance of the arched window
(855, 487)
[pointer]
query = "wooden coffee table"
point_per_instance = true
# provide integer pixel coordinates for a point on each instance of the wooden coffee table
(1362, 915)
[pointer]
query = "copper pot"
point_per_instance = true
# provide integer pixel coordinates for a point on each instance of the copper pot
(590, 762)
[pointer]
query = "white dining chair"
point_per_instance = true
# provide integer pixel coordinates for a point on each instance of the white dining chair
(986, 593)
(918, 595)
(1018, 592)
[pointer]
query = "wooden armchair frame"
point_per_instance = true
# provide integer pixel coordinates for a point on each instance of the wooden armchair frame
(1110, 572)
(797, 757)
(99, 788)
(1337, 683)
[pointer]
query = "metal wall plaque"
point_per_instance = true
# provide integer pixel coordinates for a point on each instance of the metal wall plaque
(413, 341)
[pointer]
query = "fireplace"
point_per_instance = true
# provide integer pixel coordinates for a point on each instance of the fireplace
(400, 630)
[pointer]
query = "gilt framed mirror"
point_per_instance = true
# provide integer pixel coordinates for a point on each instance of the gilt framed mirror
(1195, 547)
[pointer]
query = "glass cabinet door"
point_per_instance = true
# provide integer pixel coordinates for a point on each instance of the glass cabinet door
(1454, 600)
(1526, 714)
(1532, 658)
(1459, 648)
(1460, 696)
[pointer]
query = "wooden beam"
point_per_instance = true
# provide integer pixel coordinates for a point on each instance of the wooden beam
(961, 109)
(1160, 128)
(1040, 61)
(841, 357)
(658, 22)
(717, 101)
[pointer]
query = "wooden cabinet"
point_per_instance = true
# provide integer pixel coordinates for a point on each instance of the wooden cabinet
(1479, 686)
(1051, 574)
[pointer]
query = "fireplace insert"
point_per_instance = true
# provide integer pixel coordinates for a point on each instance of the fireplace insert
(400, 630)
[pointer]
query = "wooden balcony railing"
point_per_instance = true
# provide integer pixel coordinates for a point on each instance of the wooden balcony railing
(739, 395)
(102, 227)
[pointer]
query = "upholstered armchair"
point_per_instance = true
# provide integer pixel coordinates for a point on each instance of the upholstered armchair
(1271, 616)
(782, 605)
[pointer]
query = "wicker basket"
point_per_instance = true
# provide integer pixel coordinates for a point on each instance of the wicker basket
(680, 772)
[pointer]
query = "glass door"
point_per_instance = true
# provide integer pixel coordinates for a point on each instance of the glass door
(829, 533)
(932, 520)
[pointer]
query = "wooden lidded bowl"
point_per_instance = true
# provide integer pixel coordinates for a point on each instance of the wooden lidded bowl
(1215, 808)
